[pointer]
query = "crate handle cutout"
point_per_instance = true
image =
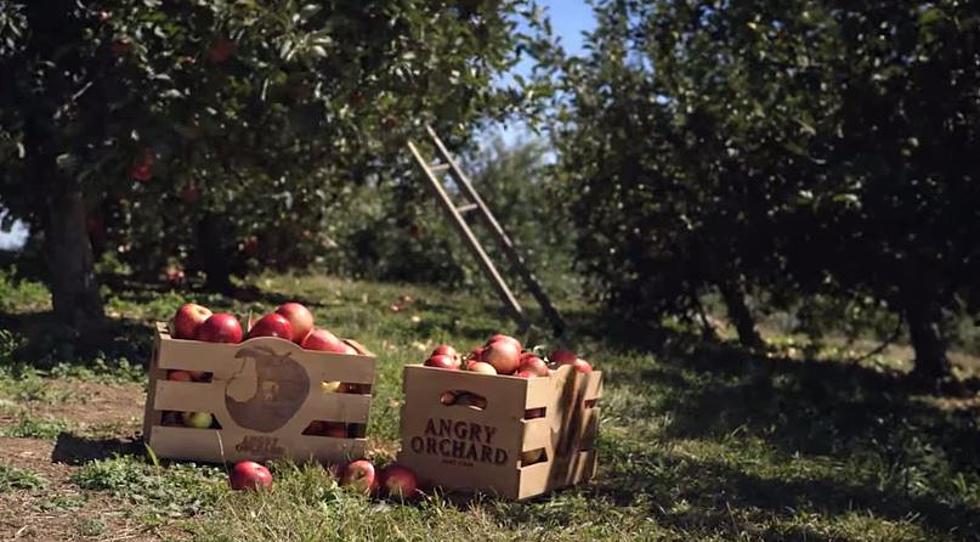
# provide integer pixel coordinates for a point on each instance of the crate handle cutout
(535, 413)
(327, 428)
(591, 403)
(533, 457)
(463, 398)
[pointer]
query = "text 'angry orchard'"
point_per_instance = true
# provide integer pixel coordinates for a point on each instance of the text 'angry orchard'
(459, 440)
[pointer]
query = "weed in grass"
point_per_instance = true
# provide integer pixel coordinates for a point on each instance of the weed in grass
(176, 490)
(30, 427)
(63, 502)
(14, 478)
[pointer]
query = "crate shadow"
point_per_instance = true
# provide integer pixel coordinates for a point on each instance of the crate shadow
(72, 449)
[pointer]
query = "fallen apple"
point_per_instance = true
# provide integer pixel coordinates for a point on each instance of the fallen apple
(399, 482)
(272, 325)
(324, 341)
(249, 476)
(361, 476)
(197, 420)
(220, 328)
(300, 319)
(188, 319)
(504, 355)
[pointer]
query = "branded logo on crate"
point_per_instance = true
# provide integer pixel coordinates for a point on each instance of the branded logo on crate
(255, 444)
(459, 442)
(267, 390)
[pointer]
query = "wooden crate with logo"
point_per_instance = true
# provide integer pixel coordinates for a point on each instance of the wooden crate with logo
(512, 436)
(268, 397)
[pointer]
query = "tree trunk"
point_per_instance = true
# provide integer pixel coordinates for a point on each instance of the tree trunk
(68, 253)
(215, 260)
(739, 314)
(924, 316)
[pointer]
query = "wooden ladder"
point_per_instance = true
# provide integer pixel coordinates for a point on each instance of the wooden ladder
(433, 172)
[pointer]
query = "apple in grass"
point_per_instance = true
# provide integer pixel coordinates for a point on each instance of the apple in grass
(300, 318)
(504, 355)
(361, 476)
(324, 341)
(272, 325)
(220, 328)
(188, 319)
(399, 482)
(249, 476)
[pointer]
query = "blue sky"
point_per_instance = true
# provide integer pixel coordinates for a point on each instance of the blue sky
(569, 18)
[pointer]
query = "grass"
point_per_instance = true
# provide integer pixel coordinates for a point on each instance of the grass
(698, 441)
(14, 478)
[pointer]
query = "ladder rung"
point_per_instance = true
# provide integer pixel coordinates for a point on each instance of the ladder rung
(466, 208)
(435, 168)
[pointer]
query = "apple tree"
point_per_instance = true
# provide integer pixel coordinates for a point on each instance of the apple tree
(793, 149)
(168, 129)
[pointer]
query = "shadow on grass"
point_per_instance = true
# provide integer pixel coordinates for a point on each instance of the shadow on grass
(74, 450)
(47, 342)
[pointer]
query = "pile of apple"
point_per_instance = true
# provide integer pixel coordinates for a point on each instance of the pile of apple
(393, 481)
(291, 321)
(504, 355)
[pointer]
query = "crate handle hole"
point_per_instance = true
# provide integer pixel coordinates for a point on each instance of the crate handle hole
(533, 457)
(535, 413)
(192, 420)
(463, 398)
(591, 403)
(180, 375)
(328, 428)
(350, 387)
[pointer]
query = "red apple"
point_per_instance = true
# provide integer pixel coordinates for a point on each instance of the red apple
(445, 350)
(220, 328)
(482, 367)
(582, 366)
(180, 376)
(189, 317)
(504, 355)
(361, 476)
(250, 476)
(526, 373)
(272, 325)
(335, 429)
(475, 353)
(534, 364)
(442, 361)
(399, 481)
(324, 341)
(300, 318)
(508, 338)
(563, 357)
(470, 362)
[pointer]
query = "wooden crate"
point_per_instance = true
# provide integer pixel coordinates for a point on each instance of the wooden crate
(264, 392)
(512, 436)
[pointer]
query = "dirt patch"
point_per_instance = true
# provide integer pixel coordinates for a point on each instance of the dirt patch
(92, 404)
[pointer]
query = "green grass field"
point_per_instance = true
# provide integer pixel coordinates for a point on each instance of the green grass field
(698, 441)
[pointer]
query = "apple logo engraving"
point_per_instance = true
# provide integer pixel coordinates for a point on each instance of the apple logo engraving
(267, 390)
